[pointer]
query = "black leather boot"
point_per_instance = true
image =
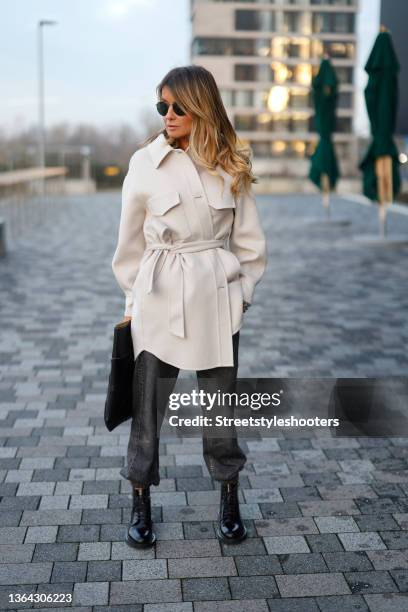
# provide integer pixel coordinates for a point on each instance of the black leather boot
(140, 532)
(231, 529)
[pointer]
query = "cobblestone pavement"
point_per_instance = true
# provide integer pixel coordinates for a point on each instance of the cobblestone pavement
(327, 517)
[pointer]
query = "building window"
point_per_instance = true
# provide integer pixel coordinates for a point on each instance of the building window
(259, 21)
(293, 122)
(335, 2)
(344, 74)
(345, 99)
(334, 49)
(339, 23)
(245, 72)
(291, 22)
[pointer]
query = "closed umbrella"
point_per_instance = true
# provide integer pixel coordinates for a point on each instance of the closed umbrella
(380, 166)
(324, 170)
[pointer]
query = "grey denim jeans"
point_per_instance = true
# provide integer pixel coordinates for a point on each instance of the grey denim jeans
(223, 456)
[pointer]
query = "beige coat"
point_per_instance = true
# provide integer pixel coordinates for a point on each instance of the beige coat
(188, 255)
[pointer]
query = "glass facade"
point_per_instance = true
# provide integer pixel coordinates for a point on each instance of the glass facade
(270, 101)
(297, 99)
(280, 47)
(296, 122)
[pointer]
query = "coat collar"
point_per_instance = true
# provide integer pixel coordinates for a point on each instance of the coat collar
(159, 148)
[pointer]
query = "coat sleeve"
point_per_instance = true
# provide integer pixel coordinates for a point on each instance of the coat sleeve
(247, 241)
(131, 241)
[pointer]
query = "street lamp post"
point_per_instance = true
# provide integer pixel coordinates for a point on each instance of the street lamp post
(41, 113)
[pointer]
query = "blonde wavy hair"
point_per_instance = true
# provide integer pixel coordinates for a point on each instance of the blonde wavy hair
(213, 139)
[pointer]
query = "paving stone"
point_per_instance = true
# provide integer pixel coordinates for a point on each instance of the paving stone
(10, 518)
(342, 492)
(187, 548)
(362, 541)
(186, 606)
(203, 567)
(395, 539)
(69, 571)
(31, 573)
(248, 605)
(88, 501)
(335, 524)
(198, 530)
(91, 593)
(342, 603)
(298, 494)
(325, 542)
(51, 517)
(12, 534)
(348, 561)
(279, 510)
(18, 590)
(251, 587)
(55, 552)
(290, 526)
(312, 585)
(281, 545)
(54, 502)
(387, 602)
(16, 553)
(101, 516)
(145, 569)
(41, 534)
(370, 582)
(172, 531)
(376, 522)
(400, 577)
(262, 496)
(78, 533)
(301, 604)
(36, 488)
(302, 563)
(121, 550)
(402, 520)
(329, 508)
(210, 589)
(258, 565)
(104, 571)
(198, 483)
(250, 546)
(94, 551)
(388, 559)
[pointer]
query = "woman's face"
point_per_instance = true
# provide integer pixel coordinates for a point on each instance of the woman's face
(176, 126)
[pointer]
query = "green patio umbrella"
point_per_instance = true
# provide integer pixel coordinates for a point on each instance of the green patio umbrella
(324, 170)
(380, 166)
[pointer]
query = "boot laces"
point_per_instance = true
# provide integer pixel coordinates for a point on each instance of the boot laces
(140, 506)
(230, 502)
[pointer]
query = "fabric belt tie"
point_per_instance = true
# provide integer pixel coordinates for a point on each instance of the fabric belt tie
(176, 292)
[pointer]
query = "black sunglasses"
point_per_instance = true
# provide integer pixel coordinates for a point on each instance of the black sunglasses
(163, 107)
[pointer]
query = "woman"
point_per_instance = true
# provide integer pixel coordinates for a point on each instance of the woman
(190, 252)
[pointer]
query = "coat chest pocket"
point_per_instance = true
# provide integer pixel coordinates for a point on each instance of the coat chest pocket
(168, 212)
(226, 201)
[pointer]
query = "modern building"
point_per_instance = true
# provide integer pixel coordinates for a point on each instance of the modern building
(263, 55)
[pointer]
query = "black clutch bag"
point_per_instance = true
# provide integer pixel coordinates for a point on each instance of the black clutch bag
(118, 405)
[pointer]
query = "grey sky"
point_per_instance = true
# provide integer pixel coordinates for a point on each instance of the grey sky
(105, 57)
(102, 61)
